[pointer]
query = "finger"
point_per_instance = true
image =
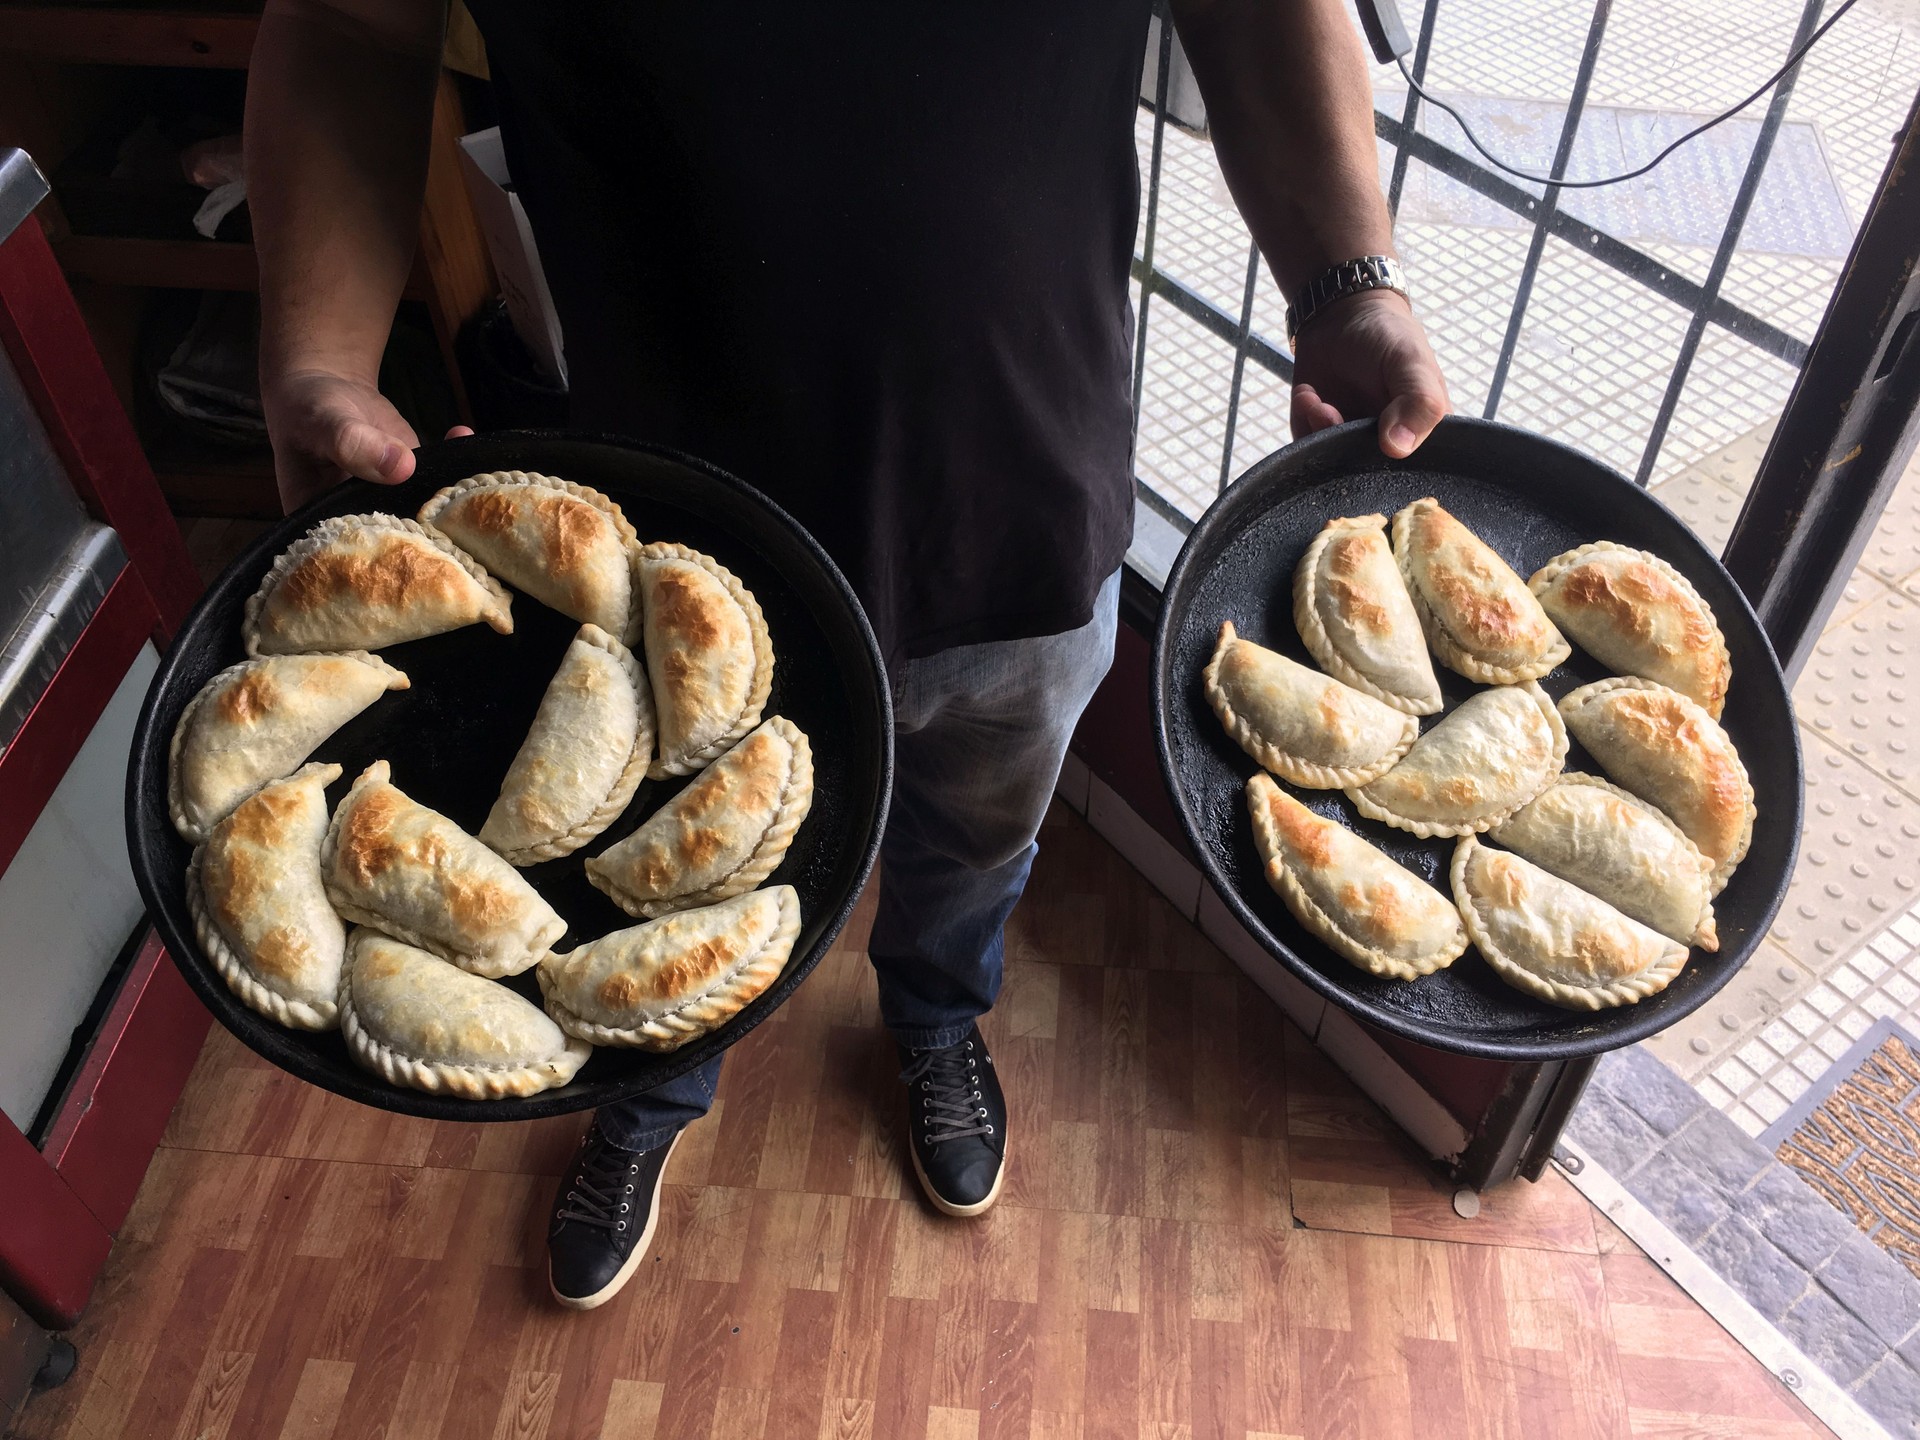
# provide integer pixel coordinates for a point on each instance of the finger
(1409, 417)
(299, 478)
(1310, 412)
(365, 451)
(458, 431)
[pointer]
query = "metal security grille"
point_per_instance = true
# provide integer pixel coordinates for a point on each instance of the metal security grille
(1701, 300)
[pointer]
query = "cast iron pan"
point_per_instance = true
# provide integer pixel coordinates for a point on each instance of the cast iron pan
(1530, 498)
(452, 735)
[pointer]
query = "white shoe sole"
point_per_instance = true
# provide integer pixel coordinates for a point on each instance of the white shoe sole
(625, 1272)
(947, 1207)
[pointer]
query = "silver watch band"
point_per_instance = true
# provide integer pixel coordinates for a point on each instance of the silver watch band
(1369, 272)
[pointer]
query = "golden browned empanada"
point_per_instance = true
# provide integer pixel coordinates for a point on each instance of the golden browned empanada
(392, 863)
(415, 1020)
(568, 546)
(259, 908)
(1617, 846)
(1554, 940)
(1351, 606)
(719, 837)
(256, 721)
(1493, 754)
(708, 655)
(1365, 906)
(1303, 726)
(666, 982)
(363, 582)
(1480, 617)
(1666, 749)
(583, 757)
(1635, 613)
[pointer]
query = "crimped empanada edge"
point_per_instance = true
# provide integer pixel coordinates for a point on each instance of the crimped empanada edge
(350, 910)
(662, 766)
(1705, 933)
(1571, 997)
(796, 800)
(1430, 829)
(176, 806)
(1543, 578)
(629, 632)
(1449, 651)
(1329, 931)
(1586, 694)
(1319, 640)
(469, 1082)
(317, 1015)
(1269, 757)
(500, 618)
(700, 1014)
(614, 804)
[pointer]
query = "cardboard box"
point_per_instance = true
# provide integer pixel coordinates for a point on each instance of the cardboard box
(516, 259)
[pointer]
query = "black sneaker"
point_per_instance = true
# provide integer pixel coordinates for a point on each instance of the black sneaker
(603, 1218)
(956, 1124)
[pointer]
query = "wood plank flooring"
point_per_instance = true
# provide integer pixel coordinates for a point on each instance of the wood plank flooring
(1205, 1232)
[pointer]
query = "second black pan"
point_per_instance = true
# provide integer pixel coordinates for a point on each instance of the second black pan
(1530, 498)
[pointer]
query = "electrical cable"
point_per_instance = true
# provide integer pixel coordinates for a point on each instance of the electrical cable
(1725, 115)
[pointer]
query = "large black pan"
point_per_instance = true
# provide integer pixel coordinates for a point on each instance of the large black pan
(1529, 498)
(451, 736)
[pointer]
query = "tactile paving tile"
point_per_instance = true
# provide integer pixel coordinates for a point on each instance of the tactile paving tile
(1894, 551)
(1708, 507)
(1858, 691)
(1859, 857)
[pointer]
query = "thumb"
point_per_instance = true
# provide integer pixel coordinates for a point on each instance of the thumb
(1409, 417)
(370, 453)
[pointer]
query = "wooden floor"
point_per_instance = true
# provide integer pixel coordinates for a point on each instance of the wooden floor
(1205, 1232)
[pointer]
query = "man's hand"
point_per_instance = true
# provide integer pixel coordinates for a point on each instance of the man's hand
(325, 427)
(1367, 355)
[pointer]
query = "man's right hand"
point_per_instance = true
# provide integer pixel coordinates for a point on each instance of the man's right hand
(326, 427)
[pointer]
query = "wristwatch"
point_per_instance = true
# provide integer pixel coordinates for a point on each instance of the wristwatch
(1369, 272)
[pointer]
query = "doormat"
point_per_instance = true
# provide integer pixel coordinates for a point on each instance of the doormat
(1855, 1137)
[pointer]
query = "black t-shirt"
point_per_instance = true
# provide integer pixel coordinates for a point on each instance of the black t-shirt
(871, 258)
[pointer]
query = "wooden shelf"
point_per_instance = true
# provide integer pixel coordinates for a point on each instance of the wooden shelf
(204, 481)
(181, 264)
(164, 264)
(210, 38)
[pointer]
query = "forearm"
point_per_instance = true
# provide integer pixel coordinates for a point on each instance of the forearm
(1291, 114)
(339, 109)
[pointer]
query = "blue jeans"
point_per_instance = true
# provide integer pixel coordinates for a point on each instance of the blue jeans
(979, 734)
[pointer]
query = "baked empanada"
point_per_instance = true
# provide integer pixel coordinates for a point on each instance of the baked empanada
(1636, 614)
(1351, 606)
(1616, 846)
(719, 837)
(416, 1020)
(1493, 754)
(583, 757)
(708, 655)
(390, 862)
(1303, 726)
(256, 721)
(363, 582)
(1480, 617)
(566, 545)
(259, 908)
(1666, 749)
(1367, 907)
(671, 980)
(1554, 940)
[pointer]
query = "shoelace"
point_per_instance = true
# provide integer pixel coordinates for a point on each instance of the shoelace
(950, 1097)
(595, 1198)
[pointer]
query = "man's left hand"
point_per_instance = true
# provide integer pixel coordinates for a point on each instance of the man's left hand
(1367, 355)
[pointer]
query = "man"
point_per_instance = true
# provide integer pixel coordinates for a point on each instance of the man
(873, 258)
